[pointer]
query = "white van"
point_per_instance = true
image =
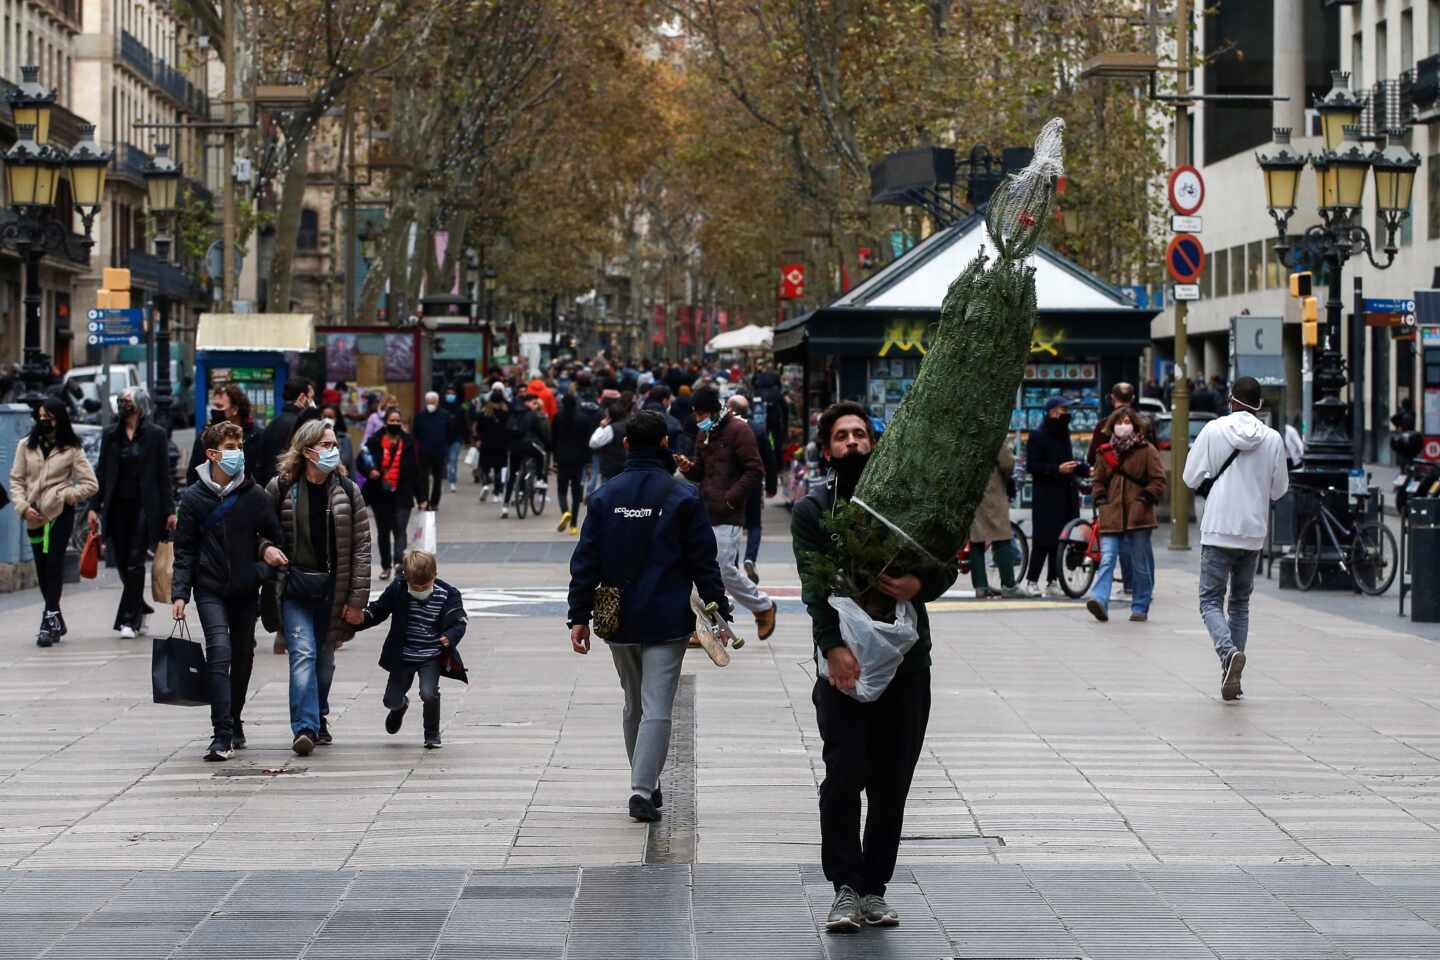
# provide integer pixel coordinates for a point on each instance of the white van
(123, 376)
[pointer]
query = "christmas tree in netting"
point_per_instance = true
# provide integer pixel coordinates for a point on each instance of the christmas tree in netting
(917, 496)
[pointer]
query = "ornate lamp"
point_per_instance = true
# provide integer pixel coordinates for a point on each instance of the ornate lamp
(1395, 168)
(32, 171)
(1338, 109)
(88, 165)
(1352, 165)
(162, 181)
(31, 103)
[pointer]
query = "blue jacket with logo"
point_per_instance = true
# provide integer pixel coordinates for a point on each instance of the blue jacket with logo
(646, 532)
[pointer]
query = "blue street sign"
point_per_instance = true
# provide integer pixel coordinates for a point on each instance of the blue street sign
(1374, 305)
(110, 327)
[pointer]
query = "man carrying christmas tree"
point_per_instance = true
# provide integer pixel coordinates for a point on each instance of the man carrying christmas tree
(870, 746)
(727, 467)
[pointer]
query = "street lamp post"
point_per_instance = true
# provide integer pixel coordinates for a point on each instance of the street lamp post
(162, 184)
(1340, 168)
(33, 169)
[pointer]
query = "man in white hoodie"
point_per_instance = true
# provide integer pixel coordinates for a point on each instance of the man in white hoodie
(1245, 462)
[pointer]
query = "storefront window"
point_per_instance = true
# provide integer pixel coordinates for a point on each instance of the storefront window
(1237, 268)
(1256, 267)
(1221, 269)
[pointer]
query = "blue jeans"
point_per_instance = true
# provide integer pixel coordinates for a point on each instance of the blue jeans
(1113, 546)
(452, 461)
(312, 661)
(593, 480)
(1222, 568)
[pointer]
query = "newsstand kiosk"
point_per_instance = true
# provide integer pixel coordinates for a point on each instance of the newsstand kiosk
(251, 350)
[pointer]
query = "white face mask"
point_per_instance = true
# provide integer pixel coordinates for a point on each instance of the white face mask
(432, 407)
(1123, 430)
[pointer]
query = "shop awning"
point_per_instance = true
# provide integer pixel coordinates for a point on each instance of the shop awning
(256, 331)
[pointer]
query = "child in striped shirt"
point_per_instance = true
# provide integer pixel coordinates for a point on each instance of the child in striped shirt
(427, 621)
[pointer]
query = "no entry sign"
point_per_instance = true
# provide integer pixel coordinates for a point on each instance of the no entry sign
(1185, 258)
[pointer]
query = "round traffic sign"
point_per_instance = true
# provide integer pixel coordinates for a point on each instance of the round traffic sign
(1184, 258)
(1187, 190)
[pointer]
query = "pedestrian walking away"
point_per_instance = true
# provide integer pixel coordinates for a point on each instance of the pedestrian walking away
(1238, 465)
(607, 442)
(755, 504)
(1129, 480)
(393, 487)
(460, 432)
(48, 479)
(493, 432)
(326, 530)
(299, 408)
(431, 428)
(646, 538)
(575, 423)
(134, 508)
(727, 467)
(224, 518)
(871, 747)
(1051, 463)
(991, 529)
(427, 622)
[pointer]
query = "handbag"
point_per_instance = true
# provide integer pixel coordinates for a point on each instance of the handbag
(161, 571)
(1209, 482)
(178, 673)
(605, 609)
(304, 584)
(90, 557)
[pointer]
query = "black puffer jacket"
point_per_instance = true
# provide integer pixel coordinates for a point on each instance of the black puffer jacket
(225, 558)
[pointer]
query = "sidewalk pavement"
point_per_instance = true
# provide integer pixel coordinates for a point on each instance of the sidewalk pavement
(1080, 781)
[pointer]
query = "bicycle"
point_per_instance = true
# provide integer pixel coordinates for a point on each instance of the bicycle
(1020, 545)
(1079, 558)
(530, 492)
(1373, 554)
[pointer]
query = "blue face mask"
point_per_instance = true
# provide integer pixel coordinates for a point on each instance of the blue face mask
(232, 462)
(706, 425)
(329, 459)
(449, 398)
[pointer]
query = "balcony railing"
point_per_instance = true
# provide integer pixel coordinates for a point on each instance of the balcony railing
(152, 273)
(1391, 104)
(135, 53)
(130, 160)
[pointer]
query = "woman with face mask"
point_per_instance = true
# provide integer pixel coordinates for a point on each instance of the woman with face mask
(49, 478)
(331, 416)
(1050, 460)
(1129, 480)
(325, 528)
(392, 486)
(135, 507)
(222, 520)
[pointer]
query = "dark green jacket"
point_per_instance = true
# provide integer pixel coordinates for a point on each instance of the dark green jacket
(809, 537)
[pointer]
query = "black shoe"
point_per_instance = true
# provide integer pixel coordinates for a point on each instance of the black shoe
(1097, 609)
(657, 799)
(44, 638)
(323, 738)
(60, 623)
(220, 749)
(304, 743)
(395, 718)
(642, 809)
(432, 741)
(237, 739)
(1230, 685)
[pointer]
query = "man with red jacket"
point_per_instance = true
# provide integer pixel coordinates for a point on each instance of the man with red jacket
(727, 467)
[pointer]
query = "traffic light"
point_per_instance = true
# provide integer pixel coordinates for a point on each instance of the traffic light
(1309, 315)
(1300, 284)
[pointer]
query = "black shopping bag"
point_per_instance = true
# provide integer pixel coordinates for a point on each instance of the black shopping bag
(178, 674)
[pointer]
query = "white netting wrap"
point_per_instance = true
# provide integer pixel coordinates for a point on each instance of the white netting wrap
(1020, 206)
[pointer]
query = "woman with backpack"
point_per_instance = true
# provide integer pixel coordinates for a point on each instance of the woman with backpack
(223, 519)
(326, 538)
(1128, 481)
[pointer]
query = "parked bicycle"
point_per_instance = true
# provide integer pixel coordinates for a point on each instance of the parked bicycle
(1365, 549)
(1019, 542)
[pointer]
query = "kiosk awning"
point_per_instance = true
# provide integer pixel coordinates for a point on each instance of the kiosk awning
(256, 331)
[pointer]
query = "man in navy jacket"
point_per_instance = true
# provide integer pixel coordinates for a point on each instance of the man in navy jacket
(648, 534)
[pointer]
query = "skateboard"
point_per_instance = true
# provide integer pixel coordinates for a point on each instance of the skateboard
(714, 632)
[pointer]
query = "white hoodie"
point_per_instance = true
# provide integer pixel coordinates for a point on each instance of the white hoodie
(1238, 509)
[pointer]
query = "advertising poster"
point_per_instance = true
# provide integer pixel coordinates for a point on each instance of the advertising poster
(341, 350)
(399, 356)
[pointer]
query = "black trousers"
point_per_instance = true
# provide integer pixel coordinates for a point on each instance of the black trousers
(391, 521)
(871, 747)
(517, 460)
(399, 684)
(229, 627)
(494, 475)
(50, 565)
(570, 480)
(432, 472)
(125, 528)
(1044, 553)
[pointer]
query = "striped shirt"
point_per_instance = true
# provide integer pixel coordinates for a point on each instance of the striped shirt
(422, 632)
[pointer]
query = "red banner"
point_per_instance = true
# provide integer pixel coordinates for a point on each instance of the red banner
(792, 281)
(724, 321)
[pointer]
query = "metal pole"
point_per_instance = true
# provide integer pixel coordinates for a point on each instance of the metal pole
(227, 241)
(1180, 400)
(162, 397)
(1357, 374)
(36, 369)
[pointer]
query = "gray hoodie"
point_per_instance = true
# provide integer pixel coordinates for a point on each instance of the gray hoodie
(1237, 512)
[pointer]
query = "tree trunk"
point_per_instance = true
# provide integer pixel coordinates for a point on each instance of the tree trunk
(287, 228)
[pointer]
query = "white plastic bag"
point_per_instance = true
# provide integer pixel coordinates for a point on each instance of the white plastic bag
(420, 533)
(879, 647)
(472, 457)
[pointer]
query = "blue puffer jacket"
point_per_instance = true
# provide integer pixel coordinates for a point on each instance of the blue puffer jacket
(648, 533)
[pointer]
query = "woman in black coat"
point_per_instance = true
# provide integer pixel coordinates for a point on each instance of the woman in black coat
(393, 486)
(492, 430)
(1050, 461)
(135, 506)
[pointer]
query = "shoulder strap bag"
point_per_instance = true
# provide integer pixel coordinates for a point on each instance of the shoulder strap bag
(309, 585)
(1208, 483)
(605, 614)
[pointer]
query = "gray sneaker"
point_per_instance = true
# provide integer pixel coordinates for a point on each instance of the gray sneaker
(877, 913)
(845, 916)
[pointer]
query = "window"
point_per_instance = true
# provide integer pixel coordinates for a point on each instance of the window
(1382, 50)
(1255, 278)
(1205, 273)
(1407, 40)
(309, 236)
(1237, 268)
(1221, 269)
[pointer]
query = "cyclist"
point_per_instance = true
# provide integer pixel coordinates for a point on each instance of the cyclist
(1244, 462)
(529, 438)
